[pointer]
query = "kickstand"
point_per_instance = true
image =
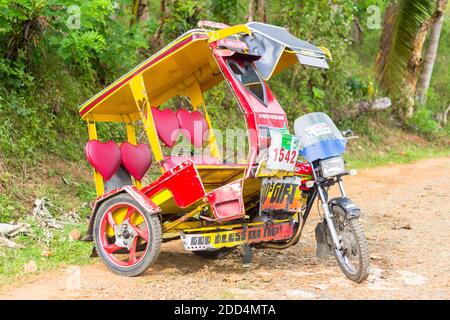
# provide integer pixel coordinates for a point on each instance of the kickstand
(247, 255)
(93, 253)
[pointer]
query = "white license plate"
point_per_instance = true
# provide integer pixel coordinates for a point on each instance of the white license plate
(283, 151)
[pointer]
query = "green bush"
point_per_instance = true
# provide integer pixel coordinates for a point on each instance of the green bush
(423, 122)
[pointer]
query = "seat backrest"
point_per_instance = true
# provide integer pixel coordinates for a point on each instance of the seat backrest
(117, 165)
(136, 159)
(167, 125)
(119, 179)
(193, 126)
(104, 157)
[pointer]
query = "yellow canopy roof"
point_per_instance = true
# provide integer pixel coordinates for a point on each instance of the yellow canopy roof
(188, 61)
(169, 72)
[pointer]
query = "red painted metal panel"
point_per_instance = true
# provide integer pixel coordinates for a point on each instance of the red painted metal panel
(227, 202)
(182, 181)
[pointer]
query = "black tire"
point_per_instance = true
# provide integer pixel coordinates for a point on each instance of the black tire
(359, 247)
(154, 236)
(214, 254)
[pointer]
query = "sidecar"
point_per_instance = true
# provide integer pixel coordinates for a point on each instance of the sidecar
(211, 204)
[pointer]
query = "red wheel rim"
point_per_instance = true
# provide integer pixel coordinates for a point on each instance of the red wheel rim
(110, 248)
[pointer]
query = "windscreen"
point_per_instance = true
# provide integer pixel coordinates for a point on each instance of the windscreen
(320, 138)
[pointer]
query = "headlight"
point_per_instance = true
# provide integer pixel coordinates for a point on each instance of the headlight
(332, 167)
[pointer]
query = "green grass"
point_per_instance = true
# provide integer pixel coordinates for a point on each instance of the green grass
(64, 251)
(381, 141)
(66, 187)
(403, 154)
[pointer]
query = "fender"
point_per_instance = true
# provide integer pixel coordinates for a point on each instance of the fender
(134, 192)
(350, 208)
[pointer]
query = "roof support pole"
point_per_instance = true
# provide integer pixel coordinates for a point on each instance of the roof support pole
(195, 95)
(227, 32)
(137, 87)
(131, 137)
(99, 185)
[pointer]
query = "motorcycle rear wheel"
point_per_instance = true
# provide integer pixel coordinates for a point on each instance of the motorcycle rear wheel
(353, 259)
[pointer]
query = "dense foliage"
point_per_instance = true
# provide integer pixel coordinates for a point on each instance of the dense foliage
(54, 54)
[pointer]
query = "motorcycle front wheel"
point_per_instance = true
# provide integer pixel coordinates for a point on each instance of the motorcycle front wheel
(353, 258)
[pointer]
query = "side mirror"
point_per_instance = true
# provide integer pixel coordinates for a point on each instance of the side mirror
(347, 133)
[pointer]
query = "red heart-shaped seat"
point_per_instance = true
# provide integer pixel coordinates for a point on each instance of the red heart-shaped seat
(167, 125)
(136, 159)
(193, 126)
(104, 157)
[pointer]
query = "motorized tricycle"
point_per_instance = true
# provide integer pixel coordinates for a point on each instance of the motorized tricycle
(211, 204)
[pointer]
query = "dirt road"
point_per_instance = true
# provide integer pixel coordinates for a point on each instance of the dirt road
(407, 223)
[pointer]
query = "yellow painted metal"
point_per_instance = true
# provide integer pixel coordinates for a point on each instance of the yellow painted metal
(161, 197)
(221, 166)
(98, 179)
(118, 217)
(231, 226)
(171, 225)
(142, 103)
(108, 117)
(131, 137)
(327, 52)
(188, 225)
(131, 134)
(212, 142)
(213, 176)
(195, 95)
(227, 32)
(234, 237)
(165, 75)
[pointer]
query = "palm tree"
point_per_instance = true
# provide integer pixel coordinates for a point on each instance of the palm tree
(397, 64)
(430, 57)
(257, 11)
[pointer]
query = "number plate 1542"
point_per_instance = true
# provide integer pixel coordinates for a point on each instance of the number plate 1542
(283, 151)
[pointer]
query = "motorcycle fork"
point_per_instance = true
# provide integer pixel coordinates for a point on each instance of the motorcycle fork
(328, 216)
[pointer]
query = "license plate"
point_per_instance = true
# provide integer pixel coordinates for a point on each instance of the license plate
(232, 238)
(281, 194)
(283, 151)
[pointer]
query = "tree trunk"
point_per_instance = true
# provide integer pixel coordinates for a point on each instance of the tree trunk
(427, 70)
(402, 89)
(415, 58)
(385, 46)
(252, 4)
(261, 11)
(136, 10)
(155, 42)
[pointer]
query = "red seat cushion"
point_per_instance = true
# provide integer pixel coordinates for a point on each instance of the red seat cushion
(137, 159)
(167, 125)
(104, 157)
(193, 126)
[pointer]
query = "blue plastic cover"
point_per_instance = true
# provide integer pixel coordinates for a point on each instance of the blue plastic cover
(323, 149)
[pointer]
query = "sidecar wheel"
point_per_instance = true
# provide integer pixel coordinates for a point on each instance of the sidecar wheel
(126, 236)
(354, 259)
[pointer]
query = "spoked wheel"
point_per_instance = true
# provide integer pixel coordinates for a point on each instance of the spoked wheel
(127, 238)
(353, 258)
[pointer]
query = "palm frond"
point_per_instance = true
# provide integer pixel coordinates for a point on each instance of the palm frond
(408, 17)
